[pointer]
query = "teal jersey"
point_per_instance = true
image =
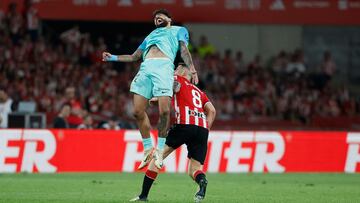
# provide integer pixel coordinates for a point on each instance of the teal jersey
(166, 39)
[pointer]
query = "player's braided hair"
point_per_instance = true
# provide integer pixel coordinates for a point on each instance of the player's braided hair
(162, 11)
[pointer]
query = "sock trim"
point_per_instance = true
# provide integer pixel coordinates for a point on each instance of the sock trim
(196, 173)
(151, 174)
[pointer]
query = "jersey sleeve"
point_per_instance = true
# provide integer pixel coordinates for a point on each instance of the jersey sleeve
(142, 45)
(183, 35)
(204, 99)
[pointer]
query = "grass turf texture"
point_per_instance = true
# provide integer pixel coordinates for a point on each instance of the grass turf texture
(120, 187)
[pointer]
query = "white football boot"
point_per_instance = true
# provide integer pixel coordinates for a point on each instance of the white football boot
(148, 156)
(158, 156)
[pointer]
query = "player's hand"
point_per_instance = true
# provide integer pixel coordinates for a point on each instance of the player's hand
(153, 101)
(194, 78)
(106, 56)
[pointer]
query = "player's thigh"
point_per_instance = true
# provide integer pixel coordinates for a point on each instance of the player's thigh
(162, 77)
(140, 104)
(141, 84)
(197, 144)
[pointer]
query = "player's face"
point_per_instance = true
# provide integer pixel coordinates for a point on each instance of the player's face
(178, 71)
(161, 20)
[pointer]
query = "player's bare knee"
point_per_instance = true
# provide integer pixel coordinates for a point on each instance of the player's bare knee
(138, 114)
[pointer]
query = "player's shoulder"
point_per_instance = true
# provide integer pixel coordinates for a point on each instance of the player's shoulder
(178, 28)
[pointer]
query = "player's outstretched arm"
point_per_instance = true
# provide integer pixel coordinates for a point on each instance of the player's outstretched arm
(210, 113)
(186, 56)
(106, 56)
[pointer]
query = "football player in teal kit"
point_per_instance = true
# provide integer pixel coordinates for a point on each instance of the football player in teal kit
(156, 77)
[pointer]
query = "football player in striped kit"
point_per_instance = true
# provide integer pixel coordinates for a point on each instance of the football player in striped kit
(195, 115)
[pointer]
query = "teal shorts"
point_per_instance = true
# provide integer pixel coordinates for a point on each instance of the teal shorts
(154, 79)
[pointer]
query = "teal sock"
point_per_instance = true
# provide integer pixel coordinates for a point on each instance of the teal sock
(147, 143)
(161, 143)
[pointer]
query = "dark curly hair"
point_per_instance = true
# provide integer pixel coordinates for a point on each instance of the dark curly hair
(162, 11)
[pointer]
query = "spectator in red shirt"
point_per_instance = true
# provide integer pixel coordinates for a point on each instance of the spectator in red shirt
(76, 116)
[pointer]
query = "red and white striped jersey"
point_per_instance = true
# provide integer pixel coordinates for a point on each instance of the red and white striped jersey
(189, 104)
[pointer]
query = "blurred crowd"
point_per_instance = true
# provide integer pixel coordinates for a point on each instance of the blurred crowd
(69, 82)
(280, 88)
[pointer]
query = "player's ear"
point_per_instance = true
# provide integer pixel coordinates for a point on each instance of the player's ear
(176, 86)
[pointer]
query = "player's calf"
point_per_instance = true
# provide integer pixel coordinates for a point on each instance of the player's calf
(162, 127)
(149, 178)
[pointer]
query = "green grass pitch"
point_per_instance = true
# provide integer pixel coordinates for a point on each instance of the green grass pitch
(120, 187)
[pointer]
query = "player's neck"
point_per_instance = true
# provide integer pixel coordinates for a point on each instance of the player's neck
(166, 27)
